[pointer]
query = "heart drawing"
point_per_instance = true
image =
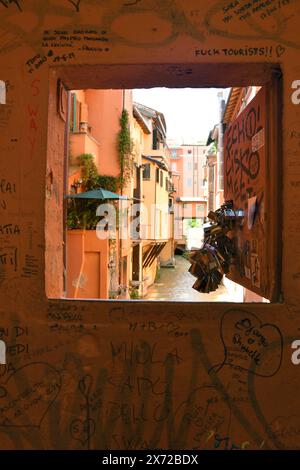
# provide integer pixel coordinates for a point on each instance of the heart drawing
(250, 344)
(27, 395)
(280, 50)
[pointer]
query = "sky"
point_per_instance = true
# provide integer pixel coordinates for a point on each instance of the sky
(190, 113)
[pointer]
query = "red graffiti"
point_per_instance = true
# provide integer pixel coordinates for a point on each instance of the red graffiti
(33, 110)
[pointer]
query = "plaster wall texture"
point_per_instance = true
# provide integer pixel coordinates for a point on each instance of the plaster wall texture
(165, 361)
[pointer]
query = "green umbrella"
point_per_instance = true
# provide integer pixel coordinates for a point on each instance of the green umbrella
(97, 194)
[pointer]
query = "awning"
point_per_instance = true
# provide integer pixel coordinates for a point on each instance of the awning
(97, 194)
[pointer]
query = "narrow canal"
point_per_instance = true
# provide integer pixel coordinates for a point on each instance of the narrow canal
(175, 284)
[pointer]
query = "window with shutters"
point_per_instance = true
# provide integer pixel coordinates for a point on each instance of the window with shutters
(146, 171)
(75, 115)
(155, 144)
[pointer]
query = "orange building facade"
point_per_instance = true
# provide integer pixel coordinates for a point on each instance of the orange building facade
(127, 265)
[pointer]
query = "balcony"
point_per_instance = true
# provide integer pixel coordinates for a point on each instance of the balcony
(82, 142)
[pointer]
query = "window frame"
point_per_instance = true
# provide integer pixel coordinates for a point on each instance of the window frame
(148, 167)
(148, 76)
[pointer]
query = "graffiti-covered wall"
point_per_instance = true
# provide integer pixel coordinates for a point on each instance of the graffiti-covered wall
(134, 375)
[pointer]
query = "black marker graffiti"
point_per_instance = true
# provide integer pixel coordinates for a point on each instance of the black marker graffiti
(242, 161)
(246, 342)
(76, 4)
(242, 51)
(25, 403)
(6, 3)
(7, 187)
(83, 430)
(214, 14)
(9, 258)
(9, 229)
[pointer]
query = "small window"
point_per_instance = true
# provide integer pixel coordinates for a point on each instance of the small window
(189, 151)
(157, 175)
(146, 171)
(161, 179)
(167, 184)
(155, 140)
(75, 117)
(189, 182)
(174, 166)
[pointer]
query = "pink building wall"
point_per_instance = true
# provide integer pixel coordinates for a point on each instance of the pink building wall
(87, 260)
(104, 112)
(192, 179)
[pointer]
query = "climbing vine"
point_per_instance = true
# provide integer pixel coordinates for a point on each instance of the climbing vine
(91, 178)
(108, 182)
(125, 147)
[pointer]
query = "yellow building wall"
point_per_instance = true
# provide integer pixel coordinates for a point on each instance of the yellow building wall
(155, 199)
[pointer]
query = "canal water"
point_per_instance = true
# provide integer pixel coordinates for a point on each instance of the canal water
(175, 284)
